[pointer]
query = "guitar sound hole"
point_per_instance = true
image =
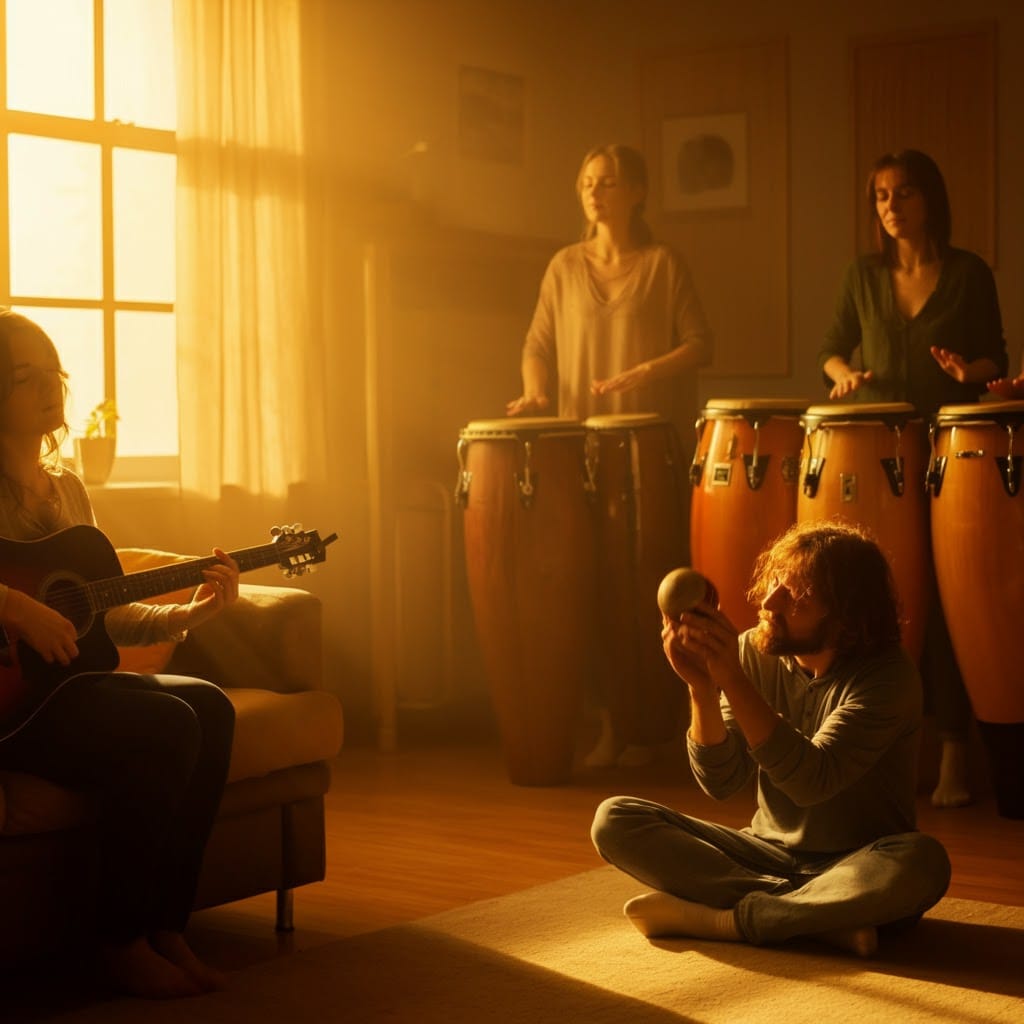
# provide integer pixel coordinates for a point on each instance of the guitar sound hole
(65, 595)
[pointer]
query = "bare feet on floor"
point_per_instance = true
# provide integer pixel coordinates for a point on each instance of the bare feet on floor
(173, 948)
(952, 789)
(661, 915)
(138, 970)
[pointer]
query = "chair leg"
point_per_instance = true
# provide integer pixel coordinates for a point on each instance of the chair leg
(285, 910)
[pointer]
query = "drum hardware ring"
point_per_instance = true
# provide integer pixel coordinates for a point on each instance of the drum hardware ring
(697, 465)
(936, 473)
(815, 464)
(591, 458)
(894, 472)
(465, 477)
(757, 470)
(633, 508)
(1010, 480)
(756, 467)
(524, 480)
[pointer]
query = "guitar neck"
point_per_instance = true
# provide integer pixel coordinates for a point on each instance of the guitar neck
(137, 586)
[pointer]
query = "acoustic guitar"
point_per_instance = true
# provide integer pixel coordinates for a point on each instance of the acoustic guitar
(77, 573)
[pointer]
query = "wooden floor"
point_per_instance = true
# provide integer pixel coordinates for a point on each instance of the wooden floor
(437, 826)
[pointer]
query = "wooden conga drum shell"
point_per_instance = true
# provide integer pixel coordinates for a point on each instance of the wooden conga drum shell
(847, 473)
(977, 515)
(529, 563)
(744, 477)
(639, 537)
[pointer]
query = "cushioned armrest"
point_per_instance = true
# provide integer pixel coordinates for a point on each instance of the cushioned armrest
(269, 639)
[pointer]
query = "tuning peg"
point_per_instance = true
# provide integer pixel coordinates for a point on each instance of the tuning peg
(275, 531)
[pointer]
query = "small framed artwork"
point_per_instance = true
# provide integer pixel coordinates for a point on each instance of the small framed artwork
(704, 163)
(492, 118)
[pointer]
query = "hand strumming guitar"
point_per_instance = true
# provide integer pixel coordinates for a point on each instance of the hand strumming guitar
(42, 628)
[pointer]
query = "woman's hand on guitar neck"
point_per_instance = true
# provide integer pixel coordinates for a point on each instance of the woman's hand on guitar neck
(219, 590)
(42, 628)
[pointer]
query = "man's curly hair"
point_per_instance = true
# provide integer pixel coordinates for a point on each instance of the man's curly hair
(843, 566)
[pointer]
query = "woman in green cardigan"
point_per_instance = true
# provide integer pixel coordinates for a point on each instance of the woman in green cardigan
(924, 318)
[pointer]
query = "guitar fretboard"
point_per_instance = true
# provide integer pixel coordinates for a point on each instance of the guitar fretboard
(118, 590)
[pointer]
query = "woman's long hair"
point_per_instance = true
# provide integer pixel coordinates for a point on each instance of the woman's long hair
(923, 173)
(631, 167)
(11, 325)
(843, 566)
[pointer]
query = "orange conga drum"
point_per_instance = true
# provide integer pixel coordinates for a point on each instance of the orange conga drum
(977, 515)
(744, 475)
(528, 529)
(640, 537)
(866, 463)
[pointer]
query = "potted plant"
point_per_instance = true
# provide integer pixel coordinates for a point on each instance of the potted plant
(95, 450)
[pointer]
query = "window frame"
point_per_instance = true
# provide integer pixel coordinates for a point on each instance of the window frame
(108, 136)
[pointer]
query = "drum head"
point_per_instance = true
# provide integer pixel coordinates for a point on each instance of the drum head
(769, 406)
(890, 413)
(619, 421)
(510, 426)
(998, 412)
(755, 411)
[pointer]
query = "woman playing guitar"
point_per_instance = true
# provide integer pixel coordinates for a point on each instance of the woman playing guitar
(153, 750)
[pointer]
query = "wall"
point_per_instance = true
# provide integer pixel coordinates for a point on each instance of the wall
(390, 127)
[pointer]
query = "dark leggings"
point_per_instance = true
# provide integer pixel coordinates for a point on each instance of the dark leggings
(153, 751)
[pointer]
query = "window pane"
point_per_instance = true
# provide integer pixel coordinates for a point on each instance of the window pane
(78, 336)
(56, 237)
(138, 48)
(55, 78)
(143, 226)
(147, 384)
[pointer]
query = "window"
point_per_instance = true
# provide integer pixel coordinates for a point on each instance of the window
(87, 179)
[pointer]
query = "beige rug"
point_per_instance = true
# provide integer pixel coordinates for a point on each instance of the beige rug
(564, 953)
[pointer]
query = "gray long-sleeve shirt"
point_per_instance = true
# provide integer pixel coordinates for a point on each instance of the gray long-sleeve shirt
(840, 768)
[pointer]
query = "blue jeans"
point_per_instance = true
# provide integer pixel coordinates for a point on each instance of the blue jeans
(776, 893)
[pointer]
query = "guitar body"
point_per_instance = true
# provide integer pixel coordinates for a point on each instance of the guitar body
(77, 573)
(40, 569)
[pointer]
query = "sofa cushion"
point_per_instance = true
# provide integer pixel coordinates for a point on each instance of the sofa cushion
(278, 730)
(273, 731)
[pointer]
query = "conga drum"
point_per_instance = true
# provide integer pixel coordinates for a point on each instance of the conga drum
(639, 535)
(528, 532)
(866, 463)
(744, 476)
(977, 515)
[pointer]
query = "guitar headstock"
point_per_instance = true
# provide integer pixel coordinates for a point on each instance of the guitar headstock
(299, 551)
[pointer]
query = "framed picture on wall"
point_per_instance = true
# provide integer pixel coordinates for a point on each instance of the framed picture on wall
(704, 163)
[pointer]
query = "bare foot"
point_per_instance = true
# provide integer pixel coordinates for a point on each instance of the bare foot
(140, 971)
(659, 914)
(861, 941)
(173, 948)
(952, 789)
(606, 748)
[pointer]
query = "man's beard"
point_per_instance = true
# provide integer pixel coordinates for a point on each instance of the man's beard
(771, 636)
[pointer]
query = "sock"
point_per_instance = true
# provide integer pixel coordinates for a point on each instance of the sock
(658, 914)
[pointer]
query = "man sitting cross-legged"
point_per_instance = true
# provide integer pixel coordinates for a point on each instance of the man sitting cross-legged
(822, 703)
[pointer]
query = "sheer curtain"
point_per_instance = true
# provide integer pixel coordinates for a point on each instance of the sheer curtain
(250, 359)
